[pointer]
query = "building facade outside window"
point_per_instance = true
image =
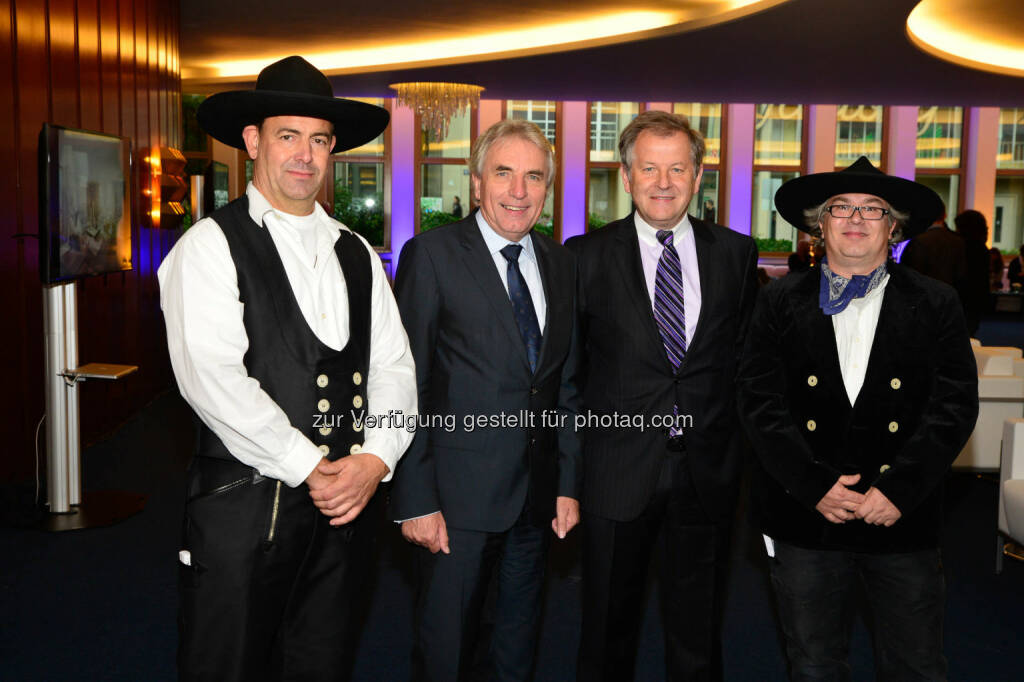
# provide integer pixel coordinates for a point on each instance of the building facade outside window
(939, 158)
(778, 157)
(607, 200)
(359, 192)
(545, 114)
(444, 173)
(1008, 218)
(707, 118)
(859, 129)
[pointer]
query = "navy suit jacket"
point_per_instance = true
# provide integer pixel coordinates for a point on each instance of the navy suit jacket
(471, 363)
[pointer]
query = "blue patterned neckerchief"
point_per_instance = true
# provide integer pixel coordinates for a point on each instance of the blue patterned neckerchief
(836, 291)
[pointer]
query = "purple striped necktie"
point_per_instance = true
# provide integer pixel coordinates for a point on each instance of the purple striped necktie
(668, 309)
(668, 301)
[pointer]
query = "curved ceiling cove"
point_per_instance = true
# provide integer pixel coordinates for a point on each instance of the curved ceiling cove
(412, 40)
(980, 34)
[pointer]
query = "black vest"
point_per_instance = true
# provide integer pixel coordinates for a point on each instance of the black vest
(319, 388)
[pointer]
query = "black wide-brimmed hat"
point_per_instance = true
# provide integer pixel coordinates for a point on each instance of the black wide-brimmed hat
(290, 87)
(921, 202)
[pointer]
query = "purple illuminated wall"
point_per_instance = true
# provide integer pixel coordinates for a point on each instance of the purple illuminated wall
(403, 179)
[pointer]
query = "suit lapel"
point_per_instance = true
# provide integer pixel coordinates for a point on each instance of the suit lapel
(548, 276)
(704, 241)
(480, 265)
(818, 330)
(630, 269)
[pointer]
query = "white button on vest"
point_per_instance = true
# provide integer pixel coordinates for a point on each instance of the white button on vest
(356, 447)
(893, 427)
(882, 469)
(325, 430)
(323, 405)
(357, 401)
(325, 450)
(812, 380)
(895, 383)
(321, 380)
(811, 425)
(357, 378)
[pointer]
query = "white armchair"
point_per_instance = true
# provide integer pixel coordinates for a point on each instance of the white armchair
(1011, 488)
(1001, 397)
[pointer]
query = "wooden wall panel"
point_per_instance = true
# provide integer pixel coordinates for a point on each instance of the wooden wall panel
(63, 63)
(108, 65)
(89, 65)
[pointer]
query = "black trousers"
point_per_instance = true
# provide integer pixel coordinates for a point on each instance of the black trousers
(693, 563)
(817, 590)
(273, 591)
(451, 591)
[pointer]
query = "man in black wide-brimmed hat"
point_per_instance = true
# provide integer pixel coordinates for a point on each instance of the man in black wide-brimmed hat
(857, 389)
(283, 335)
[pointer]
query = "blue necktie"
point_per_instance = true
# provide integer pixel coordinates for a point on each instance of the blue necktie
(522, 305)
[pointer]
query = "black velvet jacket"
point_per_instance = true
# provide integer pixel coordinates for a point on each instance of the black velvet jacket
(915, 411)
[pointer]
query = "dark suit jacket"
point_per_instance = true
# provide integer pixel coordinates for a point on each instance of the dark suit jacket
(471, 362)
(912, 416)
(627, 373)
(939, 253)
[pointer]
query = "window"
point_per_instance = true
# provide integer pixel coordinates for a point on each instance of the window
(358, 195)
(607, 200)
(858, 133)
(545, 114)
(778, 157)
(939, 159)
(444, 188)
(1008, 213)
(707, 118)
(1011, 139)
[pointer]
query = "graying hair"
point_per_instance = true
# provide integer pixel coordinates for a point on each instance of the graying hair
(662, 124)
(814, 214)
(526, 130)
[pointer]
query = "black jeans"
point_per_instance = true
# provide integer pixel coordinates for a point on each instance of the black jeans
(816, 592)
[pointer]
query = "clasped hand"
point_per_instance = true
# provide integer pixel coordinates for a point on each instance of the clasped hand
(341, 489)
(841, 504)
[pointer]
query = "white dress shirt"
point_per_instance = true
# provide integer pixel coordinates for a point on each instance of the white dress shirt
(527, 265)
(207, 340)
(650, 254)
(855, 332)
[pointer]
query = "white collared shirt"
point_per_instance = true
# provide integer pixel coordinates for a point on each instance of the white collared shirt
(206, 339)
(686, 247)
(855, 332)
(527, 265)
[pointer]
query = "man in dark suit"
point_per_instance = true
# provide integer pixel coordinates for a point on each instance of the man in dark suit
(489, 306)
(664, 300)
(857, 389)
(939, 253)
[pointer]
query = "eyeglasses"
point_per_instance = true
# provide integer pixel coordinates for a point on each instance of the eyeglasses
(866, 212)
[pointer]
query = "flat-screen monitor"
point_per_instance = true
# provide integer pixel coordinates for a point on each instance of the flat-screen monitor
(85, 212)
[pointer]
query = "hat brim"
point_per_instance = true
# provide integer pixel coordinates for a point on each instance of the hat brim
(921, 202)
(224, 115)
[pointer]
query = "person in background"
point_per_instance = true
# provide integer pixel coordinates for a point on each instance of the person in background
(997, 267)
(456, 208)
(1015, 271)
(800, 260)
(972, 226)
(857, 390)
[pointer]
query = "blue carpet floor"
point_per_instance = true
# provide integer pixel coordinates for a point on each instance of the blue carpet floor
(99, 604)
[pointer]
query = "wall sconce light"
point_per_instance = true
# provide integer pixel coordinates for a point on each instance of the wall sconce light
(164, 186)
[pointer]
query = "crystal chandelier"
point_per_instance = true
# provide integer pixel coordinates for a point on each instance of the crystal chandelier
(436, 103)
